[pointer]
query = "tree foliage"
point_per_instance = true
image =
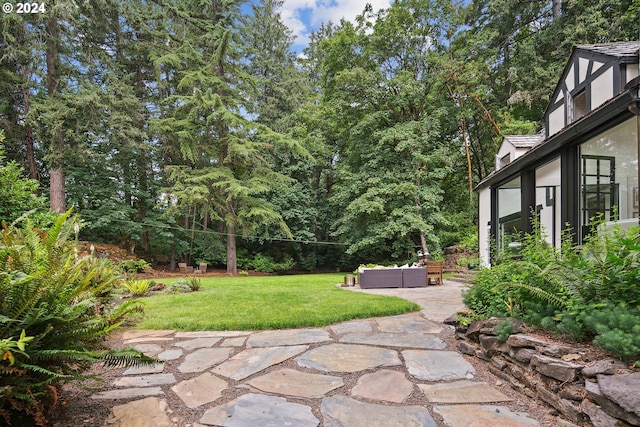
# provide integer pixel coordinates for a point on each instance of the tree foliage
(192, 129)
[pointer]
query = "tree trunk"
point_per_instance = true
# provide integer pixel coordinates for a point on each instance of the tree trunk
(172, 254)
(56, 191)
(423, 243)
(28, 130)
(56, 172)
(557, 8)
(232, 266)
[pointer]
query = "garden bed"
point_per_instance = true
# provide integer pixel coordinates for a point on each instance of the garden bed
(582, 383)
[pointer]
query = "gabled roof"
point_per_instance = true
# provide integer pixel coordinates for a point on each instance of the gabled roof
(620, 49)
(524, 141)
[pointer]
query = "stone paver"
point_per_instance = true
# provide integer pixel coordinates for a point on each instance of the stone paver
(150, 350)
(192, 344)
(147, 339)
(253, 360)
(348, 358)
(150, 411)
(408, 323)
(233, 342)
(464, 391)
(140, 333)
(145, 380)
(414, 340)
(342, 411)
(257, 410)
(128, 393)
(200, 390)
(437, 302)
(203, 359)
(483, 416)
(385, 384)
(287, 337)
(437, 365)
(350, 327)
(296, 383)
(145, 369)
(211, 334)
(171, 354)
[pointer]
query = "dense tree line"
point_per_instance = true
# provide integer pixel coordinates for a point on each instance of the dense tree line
(191, 129)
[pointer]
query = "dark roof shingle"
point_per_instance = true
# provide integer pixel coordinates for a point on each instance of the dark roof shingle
(619, 49)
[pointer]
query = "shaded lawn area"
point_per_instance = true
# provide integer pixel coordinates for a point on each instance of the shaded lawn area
(267, 302)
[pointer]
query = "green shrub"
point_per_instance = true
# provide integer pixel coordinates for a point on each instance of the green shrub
(137, 287)
(181, 285)
(190, 284)
(266, 264)
(133, 265)
(592, 291)
(504, 329)
(194, 283)
(617, 329)
(59, 305)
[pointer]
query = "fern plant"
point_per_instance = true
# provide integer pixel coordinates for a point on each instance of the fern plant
(137, 287)
(62, 303)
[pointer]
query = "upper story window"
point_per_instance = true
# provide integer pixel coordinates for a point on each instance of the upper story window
(579, 105)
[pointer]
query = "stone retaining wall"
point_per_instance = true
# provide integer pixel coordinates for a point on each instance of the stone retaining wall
(603, 393)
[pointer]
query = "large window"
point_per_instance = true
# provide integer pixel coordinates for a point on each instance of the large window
(548, 196)
(509, 216)
(609, 177)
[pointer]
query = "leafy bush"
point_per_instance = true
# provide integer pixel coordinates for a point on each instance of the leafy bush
(58, 305)
(133, 265)
(18, 194)
(137, 287)
(580, 292)
(617, 329)
(180, 285)
(266, 264)
(194, 283)
(190, 284)
(503, 330)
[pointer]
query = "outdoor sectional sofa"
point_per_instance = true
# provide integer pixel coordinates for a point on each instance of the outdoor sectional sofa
(405, 277)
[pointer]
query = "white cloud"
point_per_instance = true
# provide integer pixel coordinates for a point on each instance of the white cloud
(304, 16)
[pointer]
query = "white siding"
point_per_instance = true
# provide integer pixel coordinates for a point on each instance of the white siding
(602, 89)
(583, 65)
(556, 120)
(570, 80)
(632, 72)
(596, 66)
(484, 217)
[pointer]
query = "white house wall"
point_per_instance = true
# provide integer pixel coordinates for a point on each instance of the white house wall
(602, 88)
(632, 72)
(484, 233)
(570, 80)
(556, 120)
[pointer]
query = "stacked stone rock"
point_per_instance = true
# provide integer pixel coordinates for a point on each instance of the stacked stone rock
(605, 393)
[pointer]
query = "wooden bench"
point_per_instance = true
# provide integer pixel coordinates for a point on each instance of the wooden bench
(434, 272)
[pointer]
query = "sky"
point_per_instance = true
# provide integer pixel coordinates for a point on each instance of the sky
(304, 16)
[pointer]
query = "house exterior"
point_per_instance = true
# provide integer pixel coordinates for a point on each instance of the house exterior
(584, 164)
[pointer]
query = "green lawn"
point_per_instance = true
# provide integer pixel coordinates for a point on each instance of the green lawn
(271, 302)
